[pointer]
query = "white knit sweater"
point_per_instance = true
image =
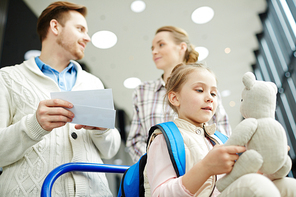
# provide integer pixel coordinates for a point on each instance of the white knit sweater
(28, 153)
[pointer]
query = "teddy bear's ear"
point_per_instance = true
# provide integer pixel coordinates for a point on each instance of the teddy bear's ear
(273, 86)
(249, 80)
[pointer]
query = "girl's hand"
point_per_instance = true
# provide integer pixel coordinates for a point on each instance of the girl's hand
(221, 158)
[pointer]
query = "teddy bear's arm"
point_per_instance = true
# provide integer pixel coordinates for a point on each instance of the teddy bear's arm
(249, 162)
(243, 132)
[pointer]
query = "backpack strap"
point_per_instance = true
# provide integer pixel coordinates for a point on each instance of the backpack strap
(221, 136)
(175, 144)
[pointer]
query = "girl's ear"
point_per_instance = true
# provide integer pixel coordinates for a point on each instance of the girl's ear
(173, 99)
(54, 26)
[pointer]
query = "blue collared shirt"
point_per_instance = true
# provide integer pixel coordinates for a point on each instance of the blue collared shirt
(65, 79)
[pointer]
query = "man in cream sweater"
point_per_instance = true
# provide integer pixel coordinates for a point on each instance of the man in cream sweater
(36, 133)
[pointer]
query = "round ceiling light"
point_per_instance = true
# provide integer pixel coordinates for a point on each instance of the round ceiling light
(104, 39)
(203, 53)
(225, 93)
(202, 15)
(32, 53)
(131, 82)
(138, 6)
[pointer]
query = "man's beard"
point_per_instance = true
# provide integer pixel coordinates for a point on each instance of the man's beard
(70, 47)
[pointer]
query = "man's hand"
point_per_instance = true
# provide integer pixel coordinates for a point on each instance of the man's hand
(52, 114)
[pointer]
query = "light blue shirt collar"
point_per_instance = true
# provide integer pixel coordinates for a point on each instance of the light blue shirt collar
(65, 79)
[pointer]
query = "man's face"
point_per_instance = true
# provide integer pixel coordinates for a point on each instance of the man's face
(73, 36)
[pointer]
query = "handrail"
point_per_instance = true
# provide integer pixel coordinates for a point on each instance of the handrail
(77, 166)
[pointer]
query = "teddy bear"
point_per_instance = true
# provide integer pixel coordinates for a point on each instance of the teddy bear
(264, 137)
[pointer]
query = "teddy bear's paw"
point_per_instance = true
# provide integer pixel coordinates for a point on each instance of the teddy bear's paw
(249, 162)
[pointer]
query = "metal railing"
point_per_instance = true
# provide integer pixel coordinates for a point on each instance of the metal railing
(77, 166)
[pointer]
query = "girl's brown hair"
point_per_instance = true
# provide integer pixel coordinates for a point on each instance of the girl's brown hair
(179, 76)
(57, 10)
(180, 35)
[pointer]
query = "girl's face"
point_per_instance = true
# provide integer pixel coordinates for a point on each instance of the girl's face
(166, 53)
(197, 100)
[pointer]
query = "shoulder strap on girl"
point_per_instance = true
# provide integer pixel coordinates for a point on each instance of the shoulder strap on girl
(221, 136)
(175, 145)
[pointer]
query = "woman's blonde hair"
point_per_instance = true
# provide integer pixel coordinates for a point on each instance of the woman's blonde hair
(179, 36)
(179, 76)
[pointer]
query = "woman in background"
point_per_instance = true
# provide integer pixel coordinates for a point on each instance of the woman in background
(170, 47)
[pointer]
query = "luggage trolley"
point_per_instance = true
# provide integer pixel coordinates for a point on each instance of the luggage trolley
(77, 166)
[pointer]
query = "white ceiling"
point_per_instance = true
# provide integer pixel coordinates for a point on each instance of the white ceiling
(234, 25)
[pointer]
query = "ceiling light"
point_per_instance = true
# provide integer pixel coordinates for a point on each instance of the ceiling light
(202, 15)
(231, 103)
(203, 53)
(32, 53)
(225, 93)
(104, 39)
(227, 50)
(131, 82)
(138, 6)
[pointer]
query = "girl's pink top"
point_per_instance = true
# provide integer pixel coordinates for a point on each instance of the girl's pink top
(163, 179)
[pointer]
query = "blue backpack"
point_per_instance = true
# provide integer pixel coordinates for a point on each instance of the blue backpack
(132, 183)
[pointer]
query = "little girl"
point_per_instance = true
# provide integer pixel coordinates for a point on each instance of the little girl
(192, 93)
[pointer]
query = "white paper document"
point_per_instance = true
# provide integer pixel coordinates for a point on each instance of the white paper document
(91, 107)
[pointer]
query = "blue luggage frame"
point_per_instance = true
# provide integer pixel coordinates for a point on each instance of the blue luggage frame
(77, 166)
